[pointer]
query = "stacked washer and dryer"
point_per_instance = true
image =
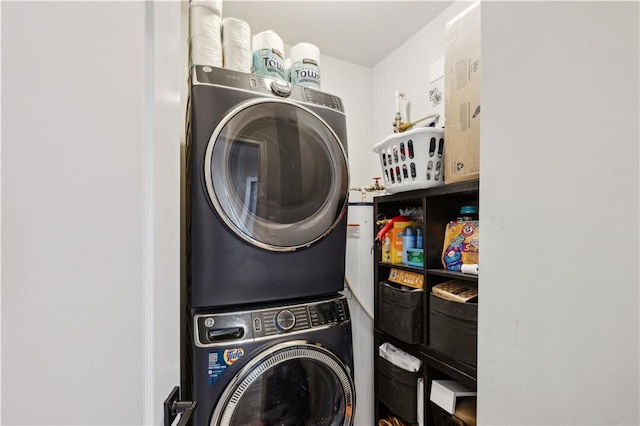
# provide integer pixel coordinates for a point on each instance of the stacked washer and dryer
(268, 336)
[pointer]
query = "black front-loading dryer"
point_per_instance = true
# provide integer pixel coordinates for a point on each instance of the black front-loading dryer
(267, 190)
(289, 365)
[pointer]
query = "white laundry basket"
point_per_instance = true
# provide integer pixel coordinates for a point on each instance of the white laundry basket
(412, 159)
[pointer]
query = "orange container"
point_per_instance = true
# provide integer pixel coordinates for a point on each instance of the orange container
(392, 244)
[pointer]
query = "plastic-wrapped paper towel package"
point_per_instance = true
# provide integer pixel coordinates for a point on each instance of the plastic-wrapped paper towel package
(236, 45)
(205, 32)
(305, 65)
(268, 59)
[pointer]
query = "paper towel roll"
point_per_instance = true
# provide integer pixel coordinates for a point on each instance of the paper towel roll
(204, 21)
(236, 58)
(236, 45)
(205, 35)
(268, 57)
(236, 32)
(206, 50)
(470, 269)
(215, 5)
(305, 65)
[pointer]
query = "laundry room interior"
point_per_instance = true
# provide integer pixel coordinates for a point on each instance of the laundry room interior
(229, 212)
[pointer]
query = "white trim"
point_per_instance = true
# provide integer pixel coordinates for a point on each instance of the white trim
(148, 275)
(0, 226)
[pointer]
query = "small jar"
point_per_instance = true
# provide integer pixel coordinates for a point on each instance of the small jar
(468, 213)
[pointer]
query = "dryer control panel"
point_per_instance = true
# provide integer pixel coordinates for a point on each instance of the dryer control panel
(267, 85)
(232, 327)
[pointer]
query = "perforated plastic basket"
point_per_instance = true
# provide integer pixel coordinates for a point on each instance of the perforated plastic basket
(412, 160)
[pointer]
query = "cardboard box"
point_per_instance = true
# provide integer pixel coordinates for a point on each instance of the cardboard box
(444, 393)
(410, 279)
(462, 96)
(392, 245)
(415, 257)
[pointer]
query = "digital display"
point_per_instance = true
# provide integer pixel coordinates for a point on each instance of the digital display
(330, 313)
(323, 99)
(327, 312)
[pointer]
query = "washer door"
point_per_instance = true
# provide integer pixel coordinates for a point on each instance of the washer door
(293, 383)
(277, 174)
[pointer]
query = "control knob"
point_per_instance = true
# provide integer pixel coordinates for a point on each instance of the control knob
(281, 88)
(285, 320)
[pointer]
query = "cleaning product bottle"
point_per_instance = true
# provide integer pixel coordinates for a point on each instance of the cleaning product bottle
(408, 241)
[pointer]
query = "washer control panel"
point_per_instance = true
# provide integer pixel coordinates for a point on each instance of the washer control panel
(272, 322)
(334, 312)
(234, 327)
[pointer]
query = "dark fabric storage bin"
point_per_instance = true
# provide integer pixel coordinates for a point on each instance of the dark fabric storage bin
(442, 418)
(398, 389)
(453, 329)
(401, 312)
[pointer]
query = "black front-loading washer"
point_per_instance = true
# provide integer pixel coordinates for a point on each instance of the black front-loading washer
(289, 365)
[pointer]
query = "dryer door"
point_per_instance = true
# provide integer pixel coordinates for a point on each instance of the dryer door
(293, 383)
(277, 174)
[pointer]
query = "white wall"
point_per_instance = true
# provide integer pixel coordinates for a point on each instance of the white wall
(73, 197)
(90, 210)
(369, 93)
(352, 83)
(406, 70)
(558, 321)
(166, 113)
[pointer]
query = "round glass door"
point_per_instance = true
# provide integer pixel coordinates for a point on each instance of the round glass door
(277, 174)
(292, 384)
